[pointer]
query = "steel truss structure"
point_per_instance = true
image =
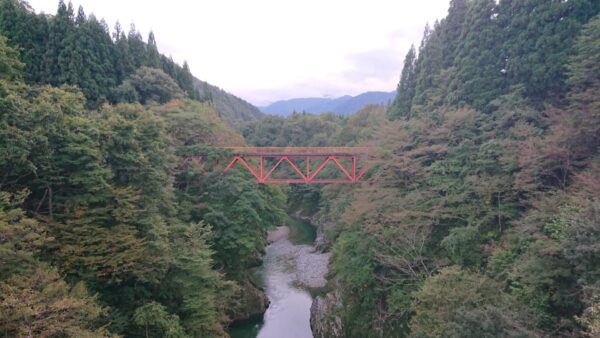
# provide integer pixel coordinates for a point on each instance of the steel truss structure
(344, 159)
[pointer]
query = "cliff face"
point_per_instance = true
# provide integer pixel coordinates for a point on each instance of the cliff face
(324, 321)
(252, 302)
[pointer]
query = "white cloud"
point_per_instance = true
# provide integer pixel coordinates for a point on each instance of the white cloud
(266, 50)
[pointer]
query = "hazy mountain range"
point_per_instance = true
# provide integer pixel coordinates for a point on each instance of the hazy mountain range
(345, 105)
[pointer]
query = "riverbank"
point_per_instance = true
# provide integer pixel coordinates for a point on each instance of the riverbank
(292, 267)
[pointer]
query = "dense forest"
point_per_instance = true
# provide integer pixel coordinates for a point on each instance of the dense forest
(75, 49)
(479, 217)
(101, 232)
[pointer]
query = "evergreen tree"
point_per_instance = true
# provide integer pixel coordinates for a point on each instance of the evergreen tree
(29, 32)
(56, 57)
(36, 300)
(76, 52)
(100, 185)
(451, 30)
(33, 56)
(584, 82)
(479, 66)
(101, 61)
(124, 63)
(427, 69)
(406, 88)
(186, 82)
(10, 66)
(153, 57)
(137, 48)
(169, 66)
(537, 42)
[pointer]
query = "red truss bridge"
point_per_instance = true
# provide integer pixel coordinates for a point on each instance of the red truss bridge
(304, 164)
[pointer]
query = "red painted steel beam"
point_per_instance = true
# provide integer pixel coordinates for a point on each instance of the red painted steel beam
(286, 151)
(288, 154)
(319, 168)
(304, 177)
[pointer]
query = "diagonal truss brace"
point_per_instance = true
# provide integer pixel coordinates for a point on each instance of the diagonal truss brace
(263, 175)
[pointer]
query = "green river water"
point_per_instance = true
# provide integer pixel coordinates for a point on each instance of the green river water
(288, 314)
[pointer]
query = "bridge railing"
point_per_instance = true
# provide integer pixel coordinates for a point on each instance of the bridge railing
(300, 151)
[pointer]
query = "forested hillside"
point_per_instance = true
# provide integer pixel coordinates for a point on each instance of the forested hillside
(235, 111)
(102, 231)
(481, 216)
(75, 49)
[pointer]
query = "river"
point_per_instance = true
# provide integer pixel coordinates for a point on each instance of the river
(291, 269)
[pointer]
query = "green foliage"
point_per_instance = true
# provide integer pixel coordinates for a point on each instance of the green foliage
(75, 49)
(124, 93)
(462, 245)
(152, 52)
(584, 63)
(153, 84)
(191, 280)
(297, 130)
(42, 304)
(157, 322)
(478, 78)
(427, 66)
(484, 49)
(582, 236)
(537, 47)
(10, 66)
(503, 189)
(196, 124)
(233, 110)
(240, 213)
(542, 279)
(558, 228)
(354, 266)
(107, 213)
(406, 88)
(34, 299)
(457, 303)
(585, 87)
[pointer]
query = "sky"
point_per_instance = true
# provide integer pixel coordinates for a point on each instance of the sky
(269, 50)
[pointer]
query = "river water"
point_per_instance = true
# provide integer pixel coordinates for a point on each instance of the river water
(291, 268)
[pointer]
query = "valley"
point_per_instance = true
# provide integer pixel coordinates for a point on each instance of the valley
(478, 215)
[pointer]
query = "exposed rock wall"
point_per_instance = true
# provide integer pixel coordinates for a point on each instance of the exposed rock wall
(252, 302)
(324, 321)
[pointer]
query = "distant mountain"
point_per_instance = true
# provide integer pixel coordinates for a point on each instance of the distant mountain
(345, 105)
(231, 108)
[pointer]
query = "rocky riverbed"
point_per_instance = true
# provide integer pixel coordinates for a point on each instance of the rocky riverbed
(290, 268)
(308, 266)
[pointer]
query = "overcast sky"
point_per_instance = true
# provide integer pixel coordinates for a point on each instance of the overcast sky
(268, 50)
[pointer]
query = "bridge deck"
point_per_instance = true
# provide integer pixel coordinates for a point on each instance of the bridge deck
(300, 151)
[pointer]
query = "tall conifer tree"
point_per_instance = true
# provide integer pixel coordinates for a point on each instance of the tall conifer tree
(479, 78)
(406, 88)
(152, 50)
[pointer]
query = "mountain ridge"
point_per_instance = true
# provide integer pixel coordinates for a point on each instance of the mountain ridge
(343, 105)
